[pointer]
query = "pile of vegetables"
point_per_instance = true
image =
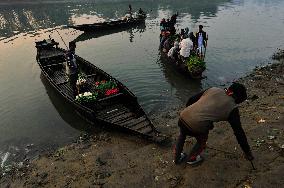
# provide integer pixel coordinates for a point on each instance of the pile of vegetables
(195, 65)
(106, 88)
(102, 89)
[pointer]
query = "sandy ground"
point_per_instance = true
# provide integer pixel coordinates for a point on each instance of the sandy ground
(112, 159)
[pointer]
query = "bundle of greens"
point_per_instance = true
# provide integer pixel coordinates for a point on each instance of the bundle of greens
(195, 65)
(106, 88)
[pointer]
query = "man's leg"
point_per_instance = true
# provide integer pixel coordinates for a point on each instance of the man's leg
(73, 79)
(180, 141)
(198, 147)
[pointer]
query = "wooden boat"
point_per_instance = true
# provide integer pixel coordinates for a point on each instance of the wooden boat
(126, 23)
(91, 35)
(120, 110)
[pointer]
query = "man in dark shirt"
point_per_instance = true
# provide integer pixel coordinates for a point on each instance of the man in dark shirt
(72, 67)
(201, 41)
(211, 105)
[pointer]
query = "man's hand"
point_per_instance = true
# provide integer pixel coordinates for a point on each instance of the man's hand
(249, 156)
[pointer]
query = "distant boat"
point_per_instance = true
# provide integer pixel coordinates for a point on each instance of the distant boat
(120, 110)
(91, 35)
(110, 25)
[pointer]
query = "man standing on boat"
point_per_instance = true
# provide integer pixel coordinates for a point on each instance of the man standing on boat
(202, 38)
(130, 10)
(72, 67)
(186, 46)
(202, 110)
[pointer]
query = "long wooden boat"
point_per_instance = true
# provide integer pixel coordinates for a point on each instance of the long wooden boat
(120, 110)
(110, 24)
(91, 35)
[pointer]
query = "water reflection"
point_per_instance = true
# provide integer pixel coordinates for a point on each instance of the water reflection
(91, 35)
(31, 17)
(65, 110)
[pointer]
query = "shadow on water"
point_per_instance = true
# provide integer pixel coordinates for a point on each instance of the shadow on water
(184, 85)
(91, 35)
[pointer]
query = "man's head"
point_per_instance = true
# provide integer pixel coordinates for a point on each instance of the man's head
(238, 92)
(200, 27)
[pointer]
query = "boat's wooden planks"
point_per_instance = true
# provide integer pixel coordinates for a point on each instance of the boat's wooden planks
(134, 121)
(122, 117)
(45, 54)
(65, 88)
(112, 110)
(114, 115)
(140, 125)
(59, 77)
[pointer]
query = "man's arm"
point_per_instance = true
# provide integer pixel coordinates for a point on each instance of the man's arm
(234, 120)
(194, 98)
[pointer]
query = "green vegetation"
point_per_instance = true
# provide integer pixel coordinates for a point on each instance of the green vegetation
(195, 65)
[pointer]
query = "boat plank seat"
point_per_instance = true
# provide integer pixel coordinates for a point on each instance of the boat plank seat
(134, 121)
(126, 119)
(112, 110)
(52, 65)
(91, 75)
(115, 115)
(140, 125)
(67, 90)
(122, 117)
(46, 54)
(59, 77)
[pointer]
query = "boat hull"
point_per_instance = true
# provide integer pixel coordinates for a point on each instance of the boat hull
(100, 27)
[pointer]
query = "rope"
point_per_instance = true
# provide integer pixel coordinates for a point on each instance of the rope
(62, 39)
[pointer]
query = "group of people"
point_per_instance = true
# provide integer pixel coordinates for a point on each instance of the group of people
(184, 44)
(169, 24)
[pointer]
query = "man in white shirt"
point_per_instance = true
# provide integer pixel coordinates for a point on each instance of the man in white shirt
(186, 46)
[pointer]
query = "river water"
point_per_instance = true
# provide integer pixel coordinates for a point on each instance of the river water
(242, 34)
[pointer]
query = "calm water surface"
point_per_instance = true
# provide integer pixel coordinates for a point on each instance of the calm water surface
(242, 34)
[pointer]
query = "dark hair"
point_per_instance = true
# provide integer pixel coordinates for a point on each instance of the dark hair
(239, 92)
(200, 26)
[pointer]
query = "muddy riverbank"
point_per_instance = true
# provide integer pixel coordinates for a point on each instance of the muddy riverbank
(112, 159)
